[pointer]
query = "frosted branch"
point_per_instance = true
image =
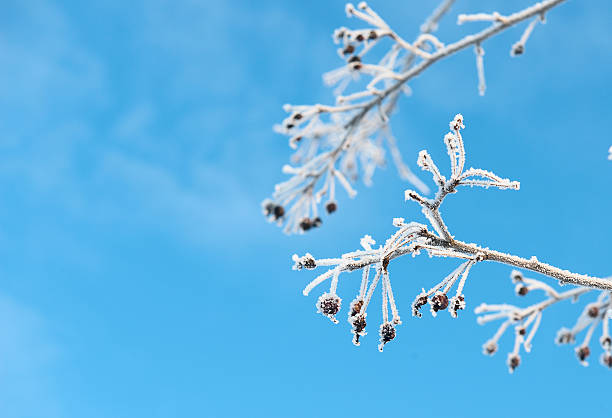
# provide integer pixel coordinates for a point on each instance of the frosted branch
(347, 140)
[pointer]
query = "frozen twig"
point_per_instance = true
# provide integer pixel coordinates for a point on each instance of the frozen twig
(333, 142)
(528, 318)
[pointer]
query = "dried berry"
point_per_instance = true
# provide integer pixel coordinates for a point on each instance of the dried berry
(329, 305)
(372, 35)
(279, 212)
(387, 333)
(316, 222)
(359, 38)
(359, 324)
(297, 116)
(418, 303)
(305, 224)
(439, 302)
(521, 330)
(489, 348)
(348, 50)
(606, 342)
(564, 336)
(583, 352)
(356, 306)
(514, 360)
(518, 49)
(606, 359)
(593, 311)
(331, 207)
(269, 208)
(522, 290)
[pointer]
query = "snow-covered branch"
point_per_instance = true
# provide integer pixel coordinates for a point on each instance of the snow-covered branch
(333, 141)
(525, 321)
(412, 238)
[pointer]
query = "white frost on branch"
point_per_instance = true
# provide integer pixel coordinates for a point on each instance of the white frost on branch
(342, 142)
(525, 321)
(412, 238)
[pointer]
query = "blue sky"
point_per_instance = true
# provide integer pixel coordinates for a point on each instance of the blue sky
(139, 279)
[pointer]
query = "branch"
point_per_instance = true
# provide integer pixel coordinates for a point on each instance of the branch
(412, 238)
(528, 319)
(350, 134)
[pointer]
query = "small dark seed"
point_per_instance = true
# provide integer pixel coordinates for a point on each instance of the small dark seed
(523, 290)
(331, 207)
(593, 311)
(372, 35)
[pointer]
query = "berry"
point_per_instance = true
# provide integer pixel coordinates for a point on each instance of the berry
(593, 311)
(331, 207)
(279, 212)
(606, 359)
(348, 50)
(387, 333)
(305, 224)
(583, 352)
(439, 302)
(329, 305)
(514, 360)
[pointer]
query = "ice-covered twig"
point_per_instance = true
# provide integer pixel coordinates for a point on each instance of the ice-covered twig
(412, 238)
(338, 143)
(528, 318)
